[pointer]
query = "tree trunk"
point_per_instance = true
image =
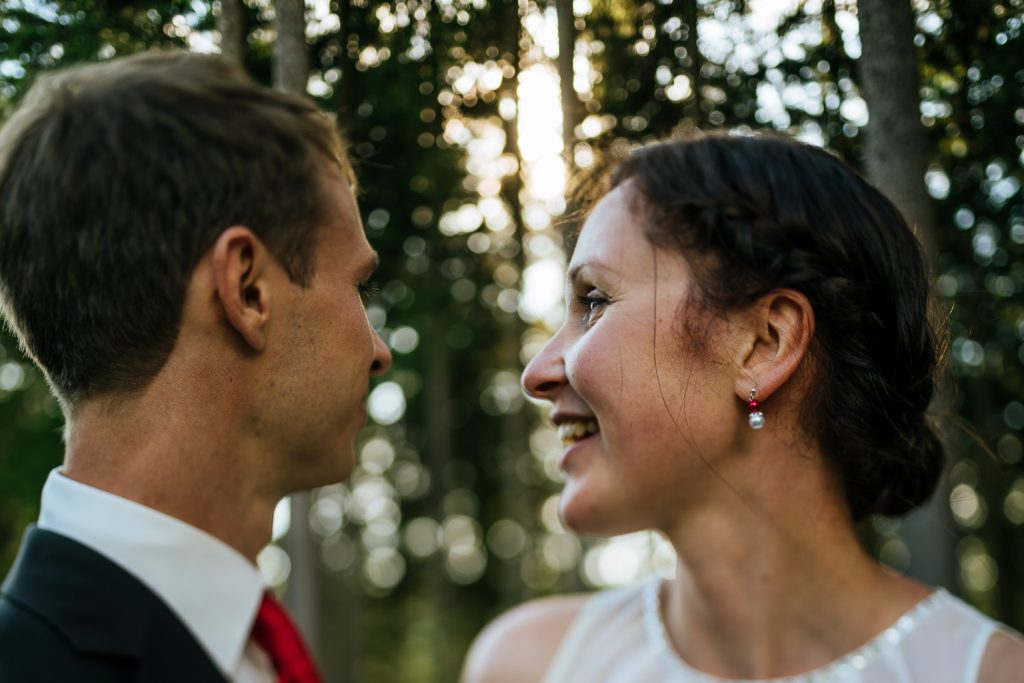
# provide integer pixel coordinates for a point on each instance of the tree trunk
(440, 446)
(291, 54)
(291, 71)
(302, 593)
(897, 147)
(346, 86)
(694, 108)
(897, 158)
(566, 50)
(231, 25)
(515, 426)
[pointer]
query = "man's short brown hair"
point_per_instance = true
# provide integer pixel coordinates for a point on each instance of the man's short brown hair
(116, 178)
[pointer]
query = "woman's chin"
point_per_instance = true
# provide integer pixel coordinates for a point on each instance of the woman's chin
(586, 514)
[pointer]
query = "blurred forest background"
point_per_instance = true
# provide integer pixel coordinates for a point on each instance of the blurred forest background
(466, 119)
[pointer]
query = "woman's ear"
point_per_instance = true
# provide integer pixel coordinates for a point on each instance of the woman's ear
(240, 263)
(780, 326)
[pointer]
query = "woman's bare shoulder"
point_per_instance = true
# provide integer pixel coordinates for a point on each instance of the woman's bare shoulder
(1004, 659)
(519, 646)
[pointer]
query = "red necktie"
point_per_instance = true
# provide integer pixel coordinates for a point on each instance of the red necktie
(275, 633)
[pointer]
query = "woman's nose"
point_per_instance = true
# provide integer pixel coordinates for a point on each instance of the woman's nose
(544, 376)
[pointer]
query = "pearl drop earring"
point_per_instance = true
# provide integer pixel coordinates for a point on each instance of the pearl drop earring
(756, 417)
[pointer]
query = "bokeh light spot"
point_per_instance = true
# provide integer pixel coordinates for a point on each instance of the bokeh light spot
(386, 403)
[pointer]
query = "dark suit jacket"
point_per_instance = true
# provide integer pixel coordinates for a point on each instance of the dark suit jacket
(68, 614)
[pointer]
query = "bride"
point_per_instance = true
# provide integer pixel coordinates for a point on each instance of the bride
(745, 367)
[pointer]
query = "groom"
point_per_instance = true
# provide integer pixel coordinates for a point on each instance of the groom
(182, 255)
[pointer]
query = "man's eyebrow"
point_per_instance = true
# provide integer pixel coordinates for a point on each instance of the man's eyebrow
(370, 264)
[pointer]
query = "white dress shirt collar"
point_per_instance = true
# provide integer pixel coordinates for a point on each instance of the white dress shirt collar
(213, 589)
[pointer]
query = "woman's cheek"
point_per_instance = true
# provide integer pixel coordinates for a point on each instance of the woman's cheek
(595, 369)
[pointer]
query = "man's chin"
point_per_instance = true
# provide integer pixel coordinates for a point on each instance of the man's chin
(329, 468)
(345, 464)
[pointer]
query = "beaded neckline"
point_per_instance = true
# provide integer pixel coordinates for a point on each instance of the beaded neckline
(838, 670)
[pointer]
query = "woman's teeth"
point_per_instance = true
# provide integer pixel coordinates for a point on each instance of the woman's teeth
(571, 432)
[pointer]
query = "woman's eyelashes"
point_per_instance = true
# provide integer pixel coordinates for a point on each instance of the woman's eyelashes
(592, 304)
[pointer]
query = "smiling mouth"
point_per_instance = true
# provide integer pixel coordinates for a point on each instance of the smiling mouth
(574, 431)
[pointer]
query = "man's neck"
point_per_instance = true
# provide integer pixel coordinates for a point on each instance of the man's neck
(206, 482)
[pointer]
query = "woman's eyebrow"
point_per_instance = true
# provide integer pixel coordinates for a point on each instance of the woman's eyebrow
(581, 270)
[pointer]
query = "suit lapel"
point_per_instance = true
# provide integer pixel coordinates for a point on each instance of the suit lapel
(103, 610)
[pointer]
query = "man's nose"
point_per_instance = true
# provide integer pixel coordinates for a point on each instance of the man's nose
(381, 355)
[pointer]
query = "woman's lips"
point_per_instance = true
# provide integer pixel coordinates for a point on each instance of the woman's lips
(571, 431)
(572, 448)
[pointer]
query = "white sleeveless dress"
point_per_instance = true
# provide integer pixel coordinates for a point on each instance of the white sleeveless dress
(618, 637)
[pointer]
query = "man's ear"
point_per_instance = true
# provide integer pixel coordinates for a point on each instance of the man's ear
(781, 328)
(240, 269)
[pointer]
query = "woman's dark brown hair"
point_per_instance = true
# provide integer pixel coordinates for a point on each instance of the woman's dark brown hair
(757, 213)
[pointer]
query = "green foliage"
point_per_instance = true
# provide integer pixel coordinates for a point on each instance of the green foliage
(972, 75)
(461, 464)
(29, 444)
(37, 36)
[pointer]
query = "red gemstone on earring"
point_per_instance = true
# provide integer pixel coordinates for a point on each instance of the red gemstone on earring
(753, 405)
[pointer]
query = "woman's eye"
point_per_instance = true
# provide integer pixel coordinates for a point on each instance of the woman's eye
(592, 304)
(368, 290)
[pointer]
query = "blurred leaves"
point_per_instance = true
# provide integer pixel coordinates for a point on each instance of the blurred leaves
(449, 517)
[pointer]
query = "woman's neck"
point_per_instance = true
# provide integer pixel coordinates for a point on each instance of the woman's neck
(778, 586)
